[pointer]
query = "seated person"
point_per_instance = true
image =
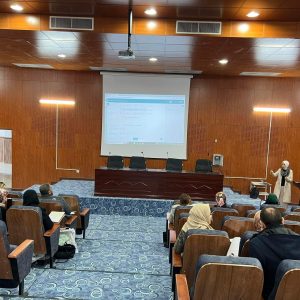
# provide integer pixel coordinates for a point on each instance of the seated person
(272, 199)
(3, 199)
(220, 200)
(47, 196)
(258, 224)
(30, 198)
(184, 200)
(272, 245)
(199, 218)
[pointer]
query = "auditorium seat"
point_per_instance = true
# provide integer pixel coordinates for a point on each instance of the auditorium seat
(280, 207)
(295, 209)
(236, 226)
(218, 214)
(198, 242)
(292, 216)
(242, 208)
(251, 213)
(203, 165)
(137, 162)
(244, 242)
(286, 285)
(179, 210)
(174, 164)
(15, 261)
(25, 222)
(293, 225)
(83, 214)
(115, 162)
(223, 277)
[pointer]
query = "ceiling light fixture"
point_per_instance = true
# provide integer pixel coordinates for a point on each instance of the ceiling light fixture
(223, 61)
(253, 14)
(151, 11)
(57, 102)
(151, 24)
(244, 27)
(16, 7)
(153, 59)
(62, 55)
(272, 109)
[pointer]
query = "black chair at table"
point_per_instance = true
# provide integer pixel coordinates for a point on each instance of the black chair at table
(203, 165)
(115, 162)
(174, 164)
(137, 162)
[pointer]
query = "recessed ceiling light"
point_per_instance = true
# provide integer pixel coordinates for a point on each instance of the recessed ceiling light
(151, 11)
(62, 55)
(151, 24)
(268, 74)
(253, 14)
(223, 61)
(16, 7)
(36, 66)
(153, 59)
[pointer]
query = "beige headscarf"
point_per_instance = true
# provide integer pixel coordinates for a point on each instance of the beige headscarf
(199, 218)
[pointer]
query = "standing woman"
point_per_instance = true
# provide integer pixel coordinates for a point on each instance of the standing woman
(283, 184)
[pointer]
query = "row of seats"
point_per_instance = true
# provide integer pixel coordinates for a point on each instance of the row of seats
(172, 164)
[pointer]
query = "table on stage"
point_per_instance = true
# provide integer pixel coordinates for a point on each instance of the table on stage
(155, 183)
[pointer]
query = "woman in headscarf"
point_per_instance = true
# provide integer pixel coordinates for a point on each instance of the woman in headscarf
(199, 218)
(283, 184)
(30, 198)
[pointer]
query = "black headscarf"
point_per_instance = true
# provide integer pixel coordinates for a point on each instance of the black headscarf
(30, 198)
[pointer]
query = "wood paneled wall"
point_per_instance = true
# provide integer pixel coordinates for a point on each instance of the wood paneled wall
(221, 120)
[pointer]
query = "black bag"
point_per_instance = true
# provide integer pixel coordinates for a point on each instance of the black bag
(66, 251)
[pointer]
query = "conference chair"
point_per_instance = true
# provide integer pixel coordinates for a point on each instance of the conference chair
(174, 164)
(115, 162)
(198, 242)
(295, 209)
(244, 243)
(218, 214)
(15, 261)
(14, 194)
(242, 208)
(236, 226)
(286, 285)
(280, 207)
(223, 277)
(251, 213)
(203, 165)
(25, 222)
(137, 162)
(293, 225)
(83, 215)
(292, 216)
(69, 222)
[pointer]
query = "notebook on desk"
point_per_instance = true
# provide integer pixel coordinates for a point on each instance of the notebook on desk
(56, 216)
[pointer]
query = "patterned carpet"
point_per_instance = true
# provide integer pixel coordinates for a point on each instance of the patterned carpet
(122, 257)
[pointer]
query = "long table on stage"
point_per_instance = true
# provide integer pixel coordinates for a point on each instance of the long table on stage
(154, 183)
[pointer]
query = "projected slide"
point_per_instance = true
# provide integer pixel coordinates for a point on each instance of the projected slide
(144, 119)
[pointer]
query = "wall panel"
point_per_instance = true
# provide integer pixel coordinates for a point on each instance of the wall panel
(221, 120)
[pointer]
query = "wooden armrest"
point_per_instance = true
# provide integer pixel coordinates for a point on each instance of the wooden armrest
(182, 290)
(20, 249)
(70, 220)
(49, 232)
(171, 226)
(172, 236)
(84, 212)
(176, 259)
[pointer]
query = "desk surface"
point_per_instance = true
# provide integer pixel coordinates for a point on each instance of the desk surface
(156, 183)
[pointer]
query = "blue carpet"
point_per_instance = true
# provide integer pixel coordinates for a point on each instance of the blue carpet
(121, 258)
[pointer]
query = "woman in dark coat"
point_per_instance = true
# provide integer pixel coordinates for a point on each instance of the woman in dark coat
(30, 198)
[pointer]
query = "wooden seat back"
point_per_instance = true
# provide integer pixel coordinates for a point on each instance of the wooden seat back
(229, 281)
(293, 225)
(73, 202)
(198, 244)
(218, 215)
(181, 222)
(242, 208)
(25, 222)
(236, 226)
(292, 216)
(5, 269)
(51, 206)
(179, 210)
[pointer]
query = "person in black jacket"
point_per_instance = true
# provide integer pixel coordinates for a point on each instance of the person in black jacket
(272, 245)
(30, 198)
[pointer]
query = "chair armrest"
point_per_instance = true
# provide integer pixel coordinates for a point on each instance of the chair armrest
(172, 236)
(176, 260)
(20, 249)
(51, 231)
(182, 290)
(71, 222)
(84, 212)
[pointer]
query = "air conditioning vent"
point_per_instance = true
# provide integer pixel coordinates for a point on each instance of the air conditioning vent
(198, 27)
(70, 23)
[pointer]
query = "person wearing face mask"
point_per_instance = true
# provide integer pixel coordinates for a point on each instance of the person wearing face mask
(282, 187)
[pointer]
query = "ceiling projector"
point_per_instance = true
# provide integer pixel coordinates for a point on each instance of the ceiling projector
(126, 54)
